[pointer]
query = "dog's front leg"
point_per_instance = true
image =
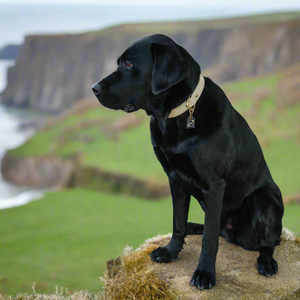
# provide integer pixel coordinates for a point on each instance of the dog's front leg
(204, 276)
(181, 202)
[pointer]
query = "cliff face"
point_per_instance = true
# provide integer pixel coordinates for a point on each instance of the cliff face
(259, 49)
(52, 72)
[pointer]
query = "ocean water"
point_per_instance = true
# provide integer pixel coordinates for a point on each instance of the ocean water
(11, 136)
(16, 21)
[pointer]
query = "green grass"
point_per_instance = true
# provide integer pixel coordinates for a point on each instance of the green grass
(131, 153)
(283, 159)
(291, 218)
(66, 238)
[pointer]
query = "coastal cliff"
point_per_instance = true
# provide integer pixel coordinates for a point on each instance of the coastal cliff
(52, 72)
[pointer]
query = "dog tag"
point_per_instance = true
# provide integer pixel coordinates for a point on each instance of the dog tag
(190, 122)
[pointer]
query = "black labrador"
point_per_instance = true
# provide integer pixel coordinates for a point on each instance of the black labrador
(207, 150)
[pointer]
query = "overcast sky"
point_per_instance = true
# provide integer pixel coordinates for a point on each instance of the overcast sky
(272, 4)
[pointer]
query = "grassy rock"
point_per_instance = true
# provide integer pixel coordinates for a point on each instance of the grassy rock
(237, 275)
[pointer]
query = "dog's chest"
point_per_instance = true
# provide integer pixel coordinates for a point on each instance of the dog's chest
(177, 157)
(180, 154)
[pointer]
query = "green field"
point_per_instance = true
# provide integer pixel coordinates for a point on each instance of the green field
(66, 238)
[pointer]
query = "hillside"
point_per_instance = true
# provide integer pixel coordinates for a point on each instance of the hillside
(53, 72)
(98, 148)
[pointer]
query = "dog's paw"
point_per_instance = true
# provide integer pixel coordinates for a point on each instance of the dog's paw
(267, 266)
(163, 255)
(202, 279)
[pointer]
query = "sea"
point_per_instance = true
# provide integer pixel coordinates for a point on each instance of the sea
(17, 21)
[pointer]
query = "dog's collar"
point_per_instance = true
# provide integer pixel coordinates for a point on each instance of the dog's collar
(190, 102)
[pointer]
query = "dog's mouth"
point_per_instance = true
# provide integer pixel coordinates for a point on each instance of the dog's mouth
(129, 108)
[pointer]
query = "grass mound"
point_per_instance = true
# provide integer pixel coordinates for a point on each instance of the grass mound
(131, 276)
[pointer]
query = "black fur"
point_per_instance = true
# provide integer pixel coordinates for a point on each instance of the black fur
(220, 162)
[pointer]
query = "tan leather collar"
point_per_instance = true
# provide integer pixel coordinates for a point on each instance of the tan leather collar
(190, 102)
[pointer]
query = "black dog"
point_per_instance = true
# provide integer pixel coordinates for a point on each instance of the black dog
(207, 150)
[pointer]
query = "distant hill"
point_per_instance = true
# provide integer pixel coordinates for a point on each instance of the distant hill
(52, 72)
(9, 52)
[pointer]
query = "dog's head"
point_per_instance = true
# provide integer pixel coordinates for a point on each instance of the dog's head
(146, 71)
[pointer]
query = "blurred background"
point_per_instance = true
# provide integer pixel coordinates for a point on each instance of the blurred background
(97, 184)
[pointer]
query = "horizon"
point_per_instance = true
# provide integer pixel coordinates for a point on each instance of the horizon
(41, 17)
(258, 4)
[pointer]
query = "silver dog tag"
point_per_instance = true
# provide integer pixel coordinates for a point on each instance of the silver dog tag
(190, 122)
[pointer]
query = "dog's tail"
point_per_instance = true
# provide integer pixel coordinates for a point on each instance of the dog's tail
(194, 229)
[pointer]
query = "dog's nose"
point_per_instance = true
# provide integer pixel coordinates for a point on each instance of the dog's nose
(96, 88)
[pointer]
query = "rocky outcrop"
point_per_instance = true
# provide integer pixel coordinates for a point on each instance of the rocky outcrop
(42, 172)
(56, 172)
(237, 275)
(53, 72)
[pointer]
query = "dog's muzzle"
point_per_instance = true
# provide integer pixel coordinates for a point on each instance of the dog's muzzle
(96, 88)
(129, 108)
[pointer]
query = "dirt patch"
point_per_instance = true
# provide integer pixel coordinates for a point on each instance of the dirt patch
(257, 97)
(124, 123)
(289, 88)
(292, 199)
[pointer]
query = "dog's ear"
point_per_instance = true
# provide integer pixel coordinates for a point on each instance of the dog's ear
(168, 68)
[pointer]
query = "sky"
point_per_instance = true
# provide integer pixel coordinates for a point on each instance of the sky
(272, 4)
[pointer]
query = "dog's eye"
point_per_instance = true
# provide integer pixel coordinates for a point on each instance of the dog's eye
(128, 64)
